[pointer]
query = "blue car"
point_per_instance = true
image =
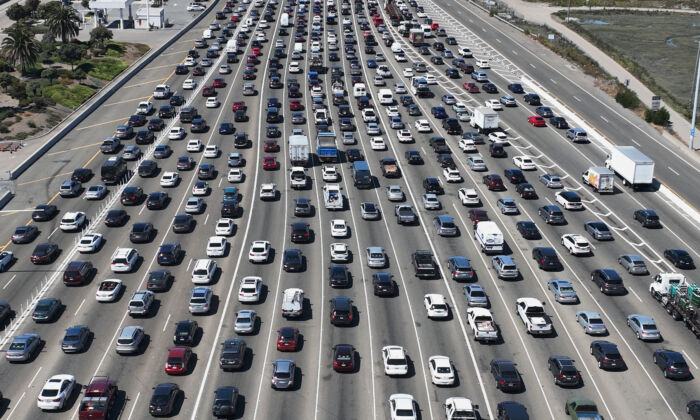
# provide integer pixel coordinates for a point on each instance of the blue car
(226, 128)
(439, 112)
(371, 63)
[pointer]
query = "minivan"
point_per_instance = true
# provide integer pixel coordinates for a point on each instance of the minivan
(386, 97)
(359, 90)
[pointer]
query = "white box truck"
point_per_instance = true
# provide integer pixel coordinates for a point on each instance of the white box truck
(484, 119)
(601, 179)
(231, 46)
(299, 150)
(284, 20)
(634, 167)
(489, 236)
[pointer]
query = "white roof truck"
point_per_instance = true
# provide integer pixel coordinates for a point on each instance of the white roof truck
(634, 167)
(297, 177)
(293, 303)
(662, 282)
(531, 312)
(601, 179)
(332, 197)
(299, 150)
(489, 237)
(482, 324)
(484, 119)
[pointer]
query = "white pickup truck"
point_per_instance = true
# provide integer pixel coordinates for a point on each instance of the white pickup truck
(482, 324)
(332, 197)
(297, 177)
(532, 314)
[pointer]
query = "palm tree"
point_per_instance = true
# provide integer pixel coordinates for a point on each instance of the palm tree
(20, 47)
(63, 22)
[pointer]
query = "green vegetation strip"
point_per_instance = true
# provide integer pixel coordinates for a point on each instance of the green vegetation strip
(70, 97)
(106, 68)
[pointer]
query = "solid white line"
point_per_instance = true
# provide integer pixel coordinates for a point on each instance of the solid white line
(133, 407)
(80, 306)
(17, 404)
(9, 281)
(635, 294)
(672, 170)
(689, 359)
(167, 321)
(51, 234)
(34, 377)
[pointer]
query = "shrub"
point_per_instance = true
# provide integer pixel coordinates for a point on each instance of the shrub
(31, 124)
(659, 117)
(70, 97)
(18, 118)
(105, 68)
(78, 74)
(627, 98)
(4, 129)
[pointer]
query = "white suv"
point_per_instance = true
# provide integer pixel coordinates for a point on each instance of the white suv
(203, 272)
(124, 260)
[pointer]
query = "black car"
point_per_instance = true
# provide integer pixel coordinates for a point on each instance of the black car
(647, 218)
(515, 176)
(497, 150)
(292, 260)
(452, 73)
(199, 125)
(157, 200)
(452, 126)
(528, 230)
(177, 100)
(141, 232)
(137, 120)
(680, 258)
(546, 258)
(77, 273)
(227, 128)
(45, 253)
(155, 124)
(341, 310)
(493, 182)
(233, 353)
(532, 99)
(147, 168)
(436, 59)
(338, 276)
(116, 218)
(273, 131)
(489, 88)
(353, 155)
(608, 281)
(344, 356)
(607, 355)
(516, 88)
(183, 223)
(166, 111)
(300, 232)
(144, 137)
(564, 371)
(206, 171)
(225, 398)
(544, 111)
(240, 116)
(185, 332)
(24, 234)
(445, 161)
(44, 212)
(559, 122)
(383, 284)
(81, 175)
(181, 69)
(432, 185)
(302, 207)
(506, 375)
(511, 410)
(169, 253)
(672, 364)
(131, 195)
(413, 157)
(46, 310)
(159, 280)
(240, 139)
(163, 399)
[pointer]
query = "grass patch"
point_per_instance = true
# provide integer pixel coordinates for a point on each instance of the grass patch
(665, 4)
(115, 49)
(71, 97)
(106, 68)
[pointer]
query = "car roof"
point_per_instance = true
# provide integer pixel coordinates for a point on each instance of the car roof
(283, 364)
(642, 318)
(560, 282)
(129, 331)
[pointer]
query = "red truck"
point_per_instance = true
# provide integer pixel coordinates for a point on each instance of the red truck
(99, 399)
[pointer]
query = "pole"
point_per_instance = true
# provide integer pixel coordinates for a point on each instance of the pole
(148, 14)
(568, 10)
(695, 101)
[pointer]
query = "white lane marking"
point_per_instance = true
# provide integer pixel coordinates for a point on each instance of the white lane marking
(8, 282)
(17, 404)
(133, 407)
(635, 294)
(689, 359)
(673, 170)
(549, 201)
(553, 81)
(575, 97)
(188, 265)
(220, 181)
(51, 234)
(604, 119)
(499, 41)
(635, 142)
(423, 150)
(34, 377)
(79, 306)
(532, 65)
(167, 321)
(515, 53)
(206, 219)
(142, 209)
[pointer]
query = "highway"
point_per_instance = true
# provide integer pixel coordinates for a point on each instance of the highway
(641, 391)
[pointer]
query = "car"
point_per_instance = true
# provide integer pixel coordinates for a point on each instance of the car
(598, 230)
(551, 180)
(569, 199)
(211, 151)
(293, 260)
(224, 227)
(476, 163)
(200, 300)
(607, 355)
(546, 258)
(354, 155)
(394, 193)
(506, 375)
(436, 306)
(475, 295)
(26, 234)
(23, 347)
(451, 175)
(563, 291)
(283, 374)
(70, 188)
(233, 354)
(377, 143)
(268, 191)
(141, 232)
(115, 218)
(575, 243)
(269, 163)
(125, 132)
(194, 145)
(528, 230)
(44, 253)
(259, 251)
(44, 212)
(225, 401)
(300, 232)
(564, 371)
(194, 205)
(176, 133)
(494, 182)
(647, 218)
(680, 258)
(634, 264)
(250, 289)
(157, 200)
(559, 122)
(644, 327)
(124, 260)
(47, 310)
(189, 84)
(56, 392)
(159, 280)
(344, 356)
(369, 211)
(75, 339)
(515, 176)
(216, 246)
(235, 175)
(672, 364)
(532, 99)
(498, 137)
(423, 126)
(402, 407)
(536, 121)
(185, 332)
(183, 223)
(163, 399)
(288, 339)
(132, 195)
(90, 242)
(524, 162)
(591, 322)
(608, 281)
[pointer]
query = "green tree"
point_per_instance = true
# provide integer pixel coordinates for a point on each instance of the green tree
(63, 22)
(46, 9)
(17, 12)
(85, 4)
(71, 53)
(99, 36)
(78, 74)
(20, 47)
(627, 98)
(6, 79)
(32, 7)
(17, 91)
(49, 74)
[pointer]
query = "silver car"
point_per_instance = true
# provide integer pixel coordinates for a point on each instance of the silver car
(563, 291)
(634, 264)
(369, 211)
(394, 193)
(476, 163)
(245, 321)
(283, 373)
(130, 339)
(375, 257)
(644, 327)
(431, 202)
(23, 347)
(507, 206)
(200, 300)
(475, 295)
(551, 180)
(591, 322)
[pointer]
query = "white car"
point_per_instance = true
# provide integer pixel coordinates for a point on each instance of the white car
(464, 116)
(261, 37)
(524, 162)
(340, 252)
(465, 52)
(211, 151)
(402, 407)
(498, 137)
(430, 79)
(404, 136)
(441, 371)
(339, 228)
(189, 62)
(194, 205)
(56, 391)
(378, 80)
(494, 104)
(330, 173)
(268, 191)
(317, 92)
(216, 247)
(459, 107)
(72, 221)
(482, 63)
(294, 67)
(169, 179)
(123, 260)
(394, 193)
(569, 199)
(90, 242)
(224, 227)
(400, 57)
(400, 88)
(212, 102)
(194, 145)
(392, 111)
(224, 69)
(575, 243)
(468, 197)
(451, 175)
(368, 115)
(259, 251)
(377, 143)
(176, 133)
(109, 290)
(144, 108)
(421, 15)
(235, 175)
(384, 71)
(200, 188)
(423, 126)
(436, 305)
(395, 361)
(195, 7)
(250, 289)
(189, 84)
(467, 145)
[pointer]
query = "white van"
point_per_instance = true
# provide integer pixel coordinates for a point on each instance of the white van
(385, 97)
(427, 32)
(358, 90)
(231, 46)
(298, 47)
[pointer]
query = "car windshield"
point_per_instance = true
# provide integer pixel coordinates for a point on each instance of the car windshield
(595, 321)
(444, 370)
(243, 320)
(49, 392)
(477, 293)
(649, 327)
(71, 337)
(283, 375)
(174, 360)
(566, 289)
(404, 413)
(159, 399)
(17, 346)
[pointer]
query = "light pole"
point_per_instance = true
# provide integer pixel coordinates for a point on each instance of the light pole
(568, 10)
(695, 101)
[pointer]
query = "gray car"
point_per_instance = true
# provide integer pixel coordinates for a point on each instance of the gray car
(644, 327)
(23, 347)
(551, 180)
(283, 371)
(76, 338)
(375, 257)
(475, 295)
(394, 193)
(634, 264)
(460, 268)
(591, 322)
(200, 300)
(476, 163)
(369, 211)
(130, 339)
(563, 291)
(372, 129)
(507, 206)
(445, 225)
(431, 202)
(245, 321)
(598, 230)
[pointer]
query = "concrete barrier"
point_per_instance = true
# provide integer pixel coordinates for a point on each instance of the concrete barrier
(97, 100)
(5, 197)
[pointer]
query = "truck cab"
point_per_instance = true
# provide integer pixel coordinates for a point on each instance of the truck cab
(100, 396)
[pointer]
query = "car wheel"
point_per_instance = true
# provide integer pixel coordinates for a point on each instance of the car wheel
(665, 373)
(638, 337)
(590, 349)
(654, 359)
(600, 365)
(602, 290)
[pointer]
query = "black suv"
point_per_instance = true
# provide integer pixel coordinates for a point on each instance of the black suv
(185, 332)
(233, 353)
(647, 217)
(341, 311)
(607, 355)
(225, 398)
(169, 253)
(608, 281)
(564, 371)
(81, 175)
(515, 176)
(546, 258)
(77, 273)
(147, 168)
(432, 185)
(338, 276)
(131, 195)
(141, 232)
(383, 284)
(156, 200)
(183, 223)
(532, 99)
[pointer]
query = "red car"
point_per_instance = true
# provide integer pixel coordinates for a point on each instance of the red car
(256, 51)
(471, 87)
(198, 71)
(344, 358)
(494, 182)
(178, 360)
(269, 163)
(219, 82)
(208, 91)
(271, 146)
(537, 121)
(238, 105)
(295, 105)
(477, 216)
(287, 338)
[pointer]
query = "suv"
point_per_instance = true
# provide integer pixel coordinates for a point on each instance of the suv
(283, 373)
(77, 273)
(341, 311)
(460, 268)
(608, 281)
(203, 271)
(131, 195)
(110, 145)
(225, 398)
(552, 215)
(99, 398)
(130, 339)
(647, 218)
(140, 302)
(124, 260)
(505, 267)
(70, 188)
(432, 185)
(607, 355)
(546, 258)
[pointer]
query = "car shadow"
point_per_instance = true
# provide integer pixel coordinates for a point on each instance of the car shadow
(191, 365)
(307, 313)
(240, 407)
(153, 310)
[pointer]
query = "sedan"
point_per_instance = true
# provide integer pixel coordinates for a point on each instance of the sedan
(224, 227)
(441, 370)
(24, 234)
(563, 291)
(95, 192)
(679, 258)
(634, 264)
(644, 327)
(537, 121)
(591, 322)
(475, 295)
(57, 390)
(141, 232)
(90, 242)
(245, 321)
(394, 193)
(551, 180)
(292, 260)
(524, 162)
(75, 339)
(216, 247)
(369, 211)
(598, 230)
(157, 200)
(46, 310)
(506, 375)
(163, 399)
(402, 407)
(344, 356)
